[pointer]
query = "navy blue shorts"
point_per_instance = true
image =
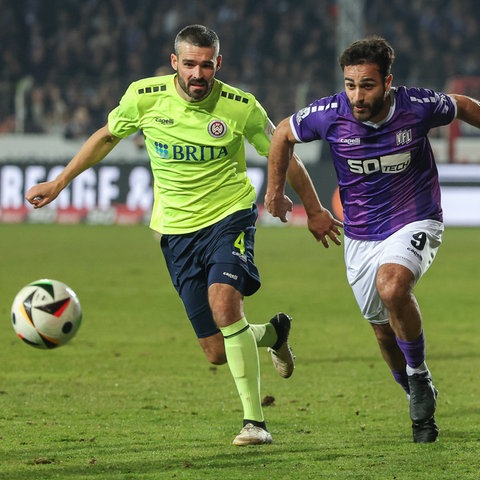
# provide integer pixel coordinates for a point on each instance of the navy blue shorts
(220, 253)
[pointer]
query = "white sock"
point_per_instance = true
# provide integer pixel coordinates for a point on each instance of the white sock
(422, 368)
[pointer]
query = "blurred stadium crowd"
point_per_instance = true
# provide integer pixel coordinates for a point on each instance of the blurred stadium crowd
(65, 63)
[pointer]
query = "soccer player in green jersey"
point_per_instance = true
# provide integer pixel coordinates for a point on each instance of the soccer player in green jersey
(204, 205)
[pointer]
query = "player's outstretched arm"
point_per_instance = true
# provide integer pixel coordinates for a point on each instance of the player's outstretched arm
(283, 163)
(95, 149)
(281, 150)
(468, 109)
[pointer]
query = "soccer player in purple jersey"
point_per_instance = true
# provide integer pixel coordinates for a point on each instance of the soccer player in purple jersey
(389, 188)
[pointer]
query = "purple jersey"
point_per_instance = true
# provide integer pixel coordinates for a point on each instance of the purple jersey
(386, 172)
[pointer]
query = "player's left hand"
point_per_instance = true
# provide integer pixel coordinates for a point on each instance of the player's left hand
(325, 227)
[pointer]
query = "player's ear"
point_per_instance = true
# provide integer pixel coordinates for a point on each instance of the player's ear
(219, 62)
(174, 61)
(388, 82)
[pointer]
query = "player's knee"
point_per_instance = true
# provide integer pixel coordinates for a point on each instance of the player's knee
(387, 288)
(214, 349)
(226, 303)
(216, 358)
(393, 289)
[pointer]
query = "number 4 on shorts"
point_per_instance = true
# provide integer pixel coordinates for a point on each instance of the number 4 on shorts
(240, 243)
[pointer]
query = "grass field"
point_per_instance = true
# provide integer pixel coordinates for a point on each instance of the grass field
(132, 398)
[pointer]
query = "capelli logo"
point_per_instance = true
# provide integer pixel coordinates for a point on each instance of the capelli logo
(350, 141)
(164, 121)
(231, 275)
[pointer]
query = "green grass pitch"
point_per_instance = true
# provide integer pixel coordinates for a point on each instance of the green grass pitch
(131, 397)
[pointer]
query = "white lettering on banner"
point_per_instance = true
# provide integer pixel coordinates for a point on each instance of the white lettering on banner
(11, 182)
(63, 201)
(140, 193)
(33, 175)
(93, 190)
(84, 190)
(108, 191)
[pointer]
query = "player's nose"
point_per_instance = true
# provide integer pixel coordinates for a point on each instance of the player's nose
(197, 72)
(357, 96)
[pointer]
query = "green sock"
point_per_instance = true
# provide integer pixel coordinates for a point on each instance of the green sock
(265, 334)
(242, 358)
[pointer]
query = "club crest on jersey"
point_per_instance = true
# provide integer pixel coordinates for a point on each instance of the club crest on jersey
(404, 137)
(217, 128)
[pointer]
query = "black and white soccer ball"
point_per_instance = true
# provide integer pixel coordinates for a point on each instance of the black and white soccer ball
(46, 314)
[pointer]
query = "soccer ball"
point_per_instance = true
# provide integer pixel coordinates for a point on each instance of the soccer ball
(46, 314)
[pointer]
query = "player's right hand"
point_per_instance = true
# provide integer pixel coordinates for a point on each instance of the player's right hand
(324, 227)
(278, 206)
(42, 194)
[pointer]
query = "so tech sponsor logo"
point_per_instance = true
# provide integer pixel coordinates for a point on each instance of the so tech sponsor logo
(395, 163)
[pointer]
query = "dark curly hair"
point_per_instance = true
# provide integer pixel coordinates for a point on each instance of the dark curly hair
(373, 49)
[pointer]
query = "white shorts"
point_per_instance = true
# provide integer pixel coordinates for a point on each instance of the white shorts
(414, 246)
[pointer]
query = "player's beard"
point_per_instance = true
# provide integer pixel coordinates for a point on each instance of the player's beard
(371, 109)
(193, 93)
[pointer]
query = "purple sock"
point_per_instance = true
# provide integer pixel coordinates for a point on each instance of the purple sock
(402, 379)
(414, 351)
